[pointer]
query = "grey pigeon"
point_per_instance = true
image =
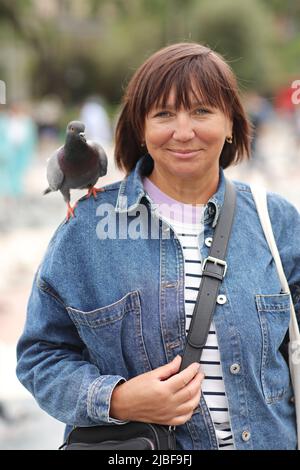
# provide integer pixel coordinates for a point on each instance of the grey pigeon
(76, 165)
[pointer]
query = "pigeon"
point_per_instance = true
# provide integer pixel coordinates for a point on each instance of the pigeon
(76, 165)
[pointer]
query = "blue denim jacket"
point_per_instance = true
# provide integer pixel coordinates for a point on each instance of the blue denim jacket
(105, 310)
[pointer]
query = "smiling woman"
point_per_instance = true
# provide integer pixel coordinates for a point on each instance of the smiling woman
(109, 318)
(183, 107)
(183, 75)
(185, 146)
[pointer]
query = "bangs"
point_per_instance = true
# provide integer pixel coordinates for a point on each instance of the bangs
(192, 81)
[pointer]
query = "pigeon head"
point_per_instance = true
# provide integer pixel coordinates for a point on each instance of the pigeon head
(75, 131)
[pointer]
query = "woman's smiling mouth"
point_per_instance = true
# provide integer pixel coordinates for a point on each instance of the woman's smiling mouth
(181, 153)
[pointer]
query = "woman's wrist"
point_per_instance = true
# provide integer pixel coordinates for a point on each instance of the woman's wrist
(117, 409)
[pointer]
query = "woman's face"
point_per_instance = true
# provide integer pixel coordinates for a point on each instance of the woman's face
(186, 143)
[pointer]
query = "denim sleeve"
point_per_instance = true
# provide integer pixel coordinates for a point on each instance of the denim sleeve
(285, 220)
(53, 367)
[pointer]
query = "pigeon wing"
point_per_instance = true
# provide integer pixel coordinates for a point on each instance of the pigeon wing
(101, 155)
(55, 175)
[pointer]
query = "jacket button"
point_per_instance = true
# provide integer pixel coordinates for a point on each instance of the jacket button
(235, 368)
(246, 436)
(221, 299)
(208, 241)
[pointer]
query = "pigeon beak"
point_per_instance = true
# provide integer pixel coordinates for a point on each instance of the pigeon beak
(82, 136)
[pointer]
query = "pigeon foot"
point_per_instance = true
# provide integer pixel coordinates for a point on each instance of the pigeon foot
(70, 212)
(93, 191)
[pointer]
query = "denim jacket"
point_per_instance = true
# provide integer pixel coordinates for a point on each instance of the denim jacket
(103, 310)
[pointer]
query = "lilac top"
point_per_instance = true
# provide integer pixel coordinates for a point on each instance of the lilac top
(169, 208)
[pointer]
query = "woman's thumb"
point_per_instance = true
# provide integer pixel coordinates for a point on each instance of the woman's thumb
(166, 371)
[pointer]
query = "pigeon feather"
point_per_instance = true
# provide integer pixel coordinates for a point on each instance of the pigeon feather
(55, 175)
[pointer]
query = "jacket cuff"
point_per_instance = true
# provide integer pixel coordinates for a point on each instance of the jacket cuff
(99, 397)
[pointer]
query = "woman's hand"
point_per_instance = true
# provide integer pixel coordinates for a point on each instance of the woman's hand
(161, 396)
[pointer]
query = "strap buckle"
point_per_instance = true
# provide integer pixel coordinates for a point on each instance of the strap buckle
(215, 261)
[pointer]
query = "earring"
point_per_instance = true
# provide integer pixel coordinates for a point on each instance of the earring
(229, 139)
(143, 144)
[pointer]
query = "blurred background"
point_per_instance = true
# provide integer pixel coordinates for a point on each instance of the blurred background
(71, 59)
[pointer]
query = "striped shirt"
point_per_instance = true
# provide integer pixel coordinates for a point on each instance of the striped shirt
(186, 221)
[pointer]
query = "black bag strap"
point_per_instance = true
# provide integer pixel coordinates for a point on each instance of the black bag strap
(214, 270)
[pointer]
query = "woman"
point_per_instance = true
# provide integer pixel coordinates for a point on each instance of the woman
(112, 300)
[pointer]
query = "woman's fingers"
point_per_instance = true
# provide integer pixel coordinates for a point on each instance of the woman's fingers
(183, 378)
(193, 388)
(188, 406)
(159, 396)
(167, 370)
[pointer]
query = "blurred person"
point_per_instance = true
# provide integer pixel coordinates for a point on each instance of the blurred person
(286, 108)
(283, 102)
(287, 111)
(260, 112)
(108, 316)
(297, 124)
(22, 136)
(47, 115)
(96, 120)
(18, 143)
(5, 155)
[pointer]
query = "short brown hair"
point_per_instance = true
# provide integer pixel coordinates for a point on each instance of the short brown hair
(178, 66)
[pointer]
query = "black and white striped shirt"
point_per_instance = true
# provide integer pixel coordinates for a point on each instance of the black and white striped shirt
(213, 388)
(187, 223)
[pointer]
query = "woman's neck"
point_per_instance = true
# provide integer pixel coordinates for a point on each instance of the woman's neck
(196, 191)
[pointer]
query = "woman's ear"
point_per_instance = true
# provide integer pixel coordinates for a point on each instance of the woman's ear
(229, 126)
(229, 129)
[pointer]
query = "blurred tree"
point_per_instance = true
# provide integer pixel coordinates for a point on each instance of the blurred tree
(242, 32)
(85, 47)
(18, 15)
(287, 30)
(289, 8)
(11, 12)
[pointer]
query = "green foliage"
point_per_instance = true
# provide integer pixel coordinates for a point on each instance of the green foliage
(94, 46)
(243, 33)
(284, 8)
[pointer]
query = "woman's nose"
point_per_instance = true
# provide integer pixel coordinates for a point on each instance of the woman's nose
(183, 129)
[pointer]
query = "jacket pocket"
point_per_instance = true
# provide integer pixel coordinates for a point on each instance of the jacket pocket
(113, 336)
(274, 316)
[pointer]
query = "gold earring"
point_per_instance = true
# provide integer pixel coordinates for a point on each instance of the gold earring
(229, 139)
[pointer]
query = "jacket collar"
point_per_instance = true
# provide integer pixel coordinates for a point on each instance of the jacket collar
(132, 191)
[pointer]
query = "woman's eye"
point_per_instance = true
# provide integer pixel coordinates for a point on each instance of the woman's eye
(163, 114)
(166, 114)
(201, 111)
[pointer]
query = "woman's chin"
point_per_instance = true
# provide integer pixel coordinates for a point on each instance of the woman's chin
(186, 174)
(188, 169)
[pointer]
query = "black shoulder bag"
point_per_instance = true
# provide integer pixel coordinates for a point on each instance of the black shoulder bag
(148, 436)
